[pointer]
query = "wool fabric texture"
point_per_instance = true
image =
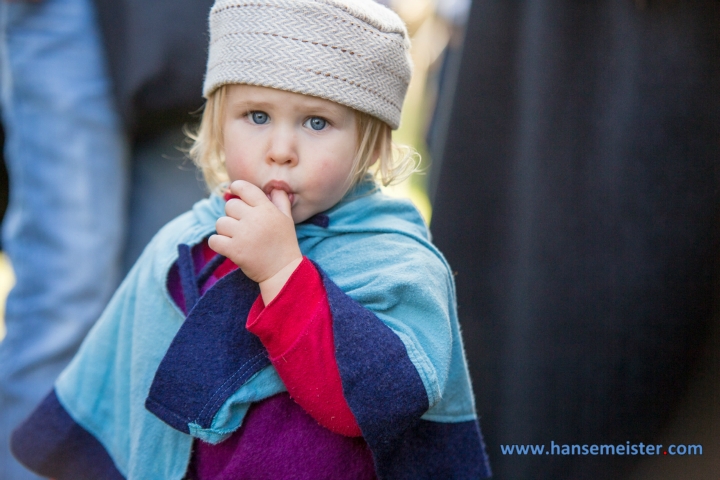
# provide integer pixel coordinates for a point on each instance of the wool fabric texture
(376, 249)
(352, 52)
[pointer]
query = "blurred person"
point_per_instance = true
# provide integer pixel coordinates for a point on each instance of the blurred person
(73, 115)
(156, 55)
(454, 12)
(65, 154)
(578, 202)
(441, 82)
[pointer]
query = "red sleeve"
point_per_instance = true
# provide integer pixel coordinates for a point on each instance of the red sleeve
(296, 329)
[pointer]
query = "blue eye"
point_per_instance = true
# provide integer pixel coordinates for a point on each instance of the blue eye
(316, 123)
(259, 117)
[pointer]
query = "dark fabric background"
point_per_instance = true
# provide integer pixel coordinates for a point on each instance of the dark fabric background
(578, 203)
(157, 53)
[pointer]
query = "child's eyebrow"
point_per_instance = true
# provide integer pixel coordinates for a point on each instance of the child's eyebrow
(318, 107)
(323, 110)
(246, 104)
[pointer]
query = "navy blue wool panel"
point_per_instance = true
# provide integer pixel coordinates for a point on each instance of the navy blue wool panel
(380, 383)
(209, 269)
(431, 450)
(320, 219)
(210, 357)
(52, 444)
(186, 267)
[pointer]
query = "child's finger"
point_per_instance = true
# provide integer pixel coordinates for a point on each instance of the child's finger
(248, 192)
(225, 226)
(236, 208)
(219, 244)
(280, 199)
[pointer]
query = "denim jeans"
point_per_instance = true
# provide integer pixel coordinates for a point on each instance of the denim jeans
(64, 227)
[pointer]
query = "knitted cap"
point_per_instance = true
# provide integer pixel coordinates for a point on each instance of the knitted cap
(353, 52)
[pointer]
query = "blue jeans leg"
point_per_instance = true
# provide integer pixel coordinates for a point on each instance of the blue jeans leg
(63, 231)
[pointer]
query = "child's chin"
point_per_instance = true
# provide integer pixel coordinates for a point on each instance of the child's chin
(299, 216)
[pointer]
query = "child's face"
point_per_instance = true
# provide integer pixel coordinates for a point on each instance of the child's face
(287, 141)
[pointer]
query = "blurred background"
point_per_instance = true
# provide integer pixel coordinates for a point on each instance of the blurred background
(570, 175)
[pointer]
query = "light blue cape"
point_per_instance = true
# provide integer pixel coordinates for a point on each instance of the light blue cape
(376, 249)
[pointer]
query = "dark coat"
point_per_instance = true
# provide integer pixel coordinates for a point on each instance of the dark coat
(157, 53)
(578, 203)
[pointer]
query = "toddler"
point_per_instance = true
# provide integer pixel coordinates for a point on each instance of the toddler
(297, 324)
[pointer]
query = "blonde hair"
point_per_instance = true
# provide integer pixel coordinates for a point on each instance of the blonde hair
(394, 163)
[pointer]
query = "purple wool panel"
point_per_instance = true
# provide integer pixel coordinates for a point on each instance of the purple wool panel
(279, 440)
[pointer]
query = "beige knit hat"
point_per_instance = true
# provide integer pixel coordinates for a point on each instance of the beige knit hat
(353, 52)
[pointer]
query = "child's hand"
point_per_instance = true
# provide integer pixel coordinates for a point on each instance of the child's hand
(258, 235)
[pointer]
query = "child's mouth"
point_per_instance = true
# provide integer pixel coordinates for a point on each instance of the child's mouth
(291, 196)
(279, 185)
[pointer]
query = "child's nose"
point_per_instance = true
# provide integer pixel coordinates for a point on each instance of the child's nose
(283, 147)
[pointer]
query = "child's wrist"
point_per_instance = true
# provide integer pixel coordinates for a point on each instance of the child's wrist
(271, 287)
